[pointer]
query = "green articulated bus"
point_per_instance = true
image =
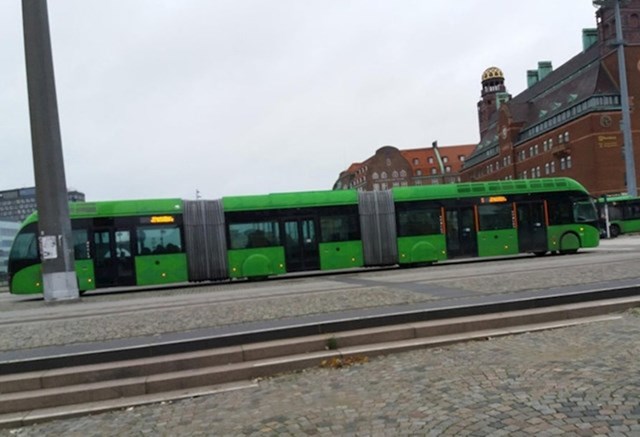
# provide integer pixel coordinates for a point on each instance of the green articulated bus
(168, 241)
(623, 214)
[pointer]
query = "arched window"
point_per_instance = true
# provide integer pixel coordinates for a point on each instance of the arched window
(394, 174)
(403, 173)
(416, 161)
(383, 175)
(375, 175)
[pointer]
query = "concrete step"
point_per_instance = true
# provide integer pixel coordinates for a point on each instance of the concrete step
(22, 395)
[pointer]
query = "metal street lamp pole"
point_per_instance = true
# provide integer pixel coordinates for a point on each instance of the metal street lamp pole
(55, 238)
(630, 167)
(629, 160)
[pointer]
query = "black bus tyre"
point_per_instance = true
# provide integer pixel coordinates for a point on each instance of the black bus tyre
(614, 231)
(540, 253)
(568, 252)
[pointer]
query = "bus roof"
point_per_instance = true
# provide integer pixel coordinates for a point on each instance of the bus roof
(118, 208)
(617, 198)
(475, 189)
(290, 200)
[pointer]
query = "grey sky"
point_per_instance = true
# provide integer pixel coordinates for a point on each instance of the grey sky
(158, 98)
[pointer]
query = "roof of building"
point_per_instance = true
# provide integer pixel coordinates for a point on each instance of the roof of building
(573, 82)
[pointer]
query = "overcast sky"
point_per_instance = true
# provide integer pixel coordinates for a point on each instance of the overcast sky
(158, 98)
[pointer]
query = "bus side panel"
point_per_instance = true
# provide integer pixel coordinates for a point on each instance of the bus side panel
(627, 226)
(161, 269)
(258, 262)
(589, 235)
(341, 255)
(498, 242)
(86, 275)
(423, 248)
(27, 280)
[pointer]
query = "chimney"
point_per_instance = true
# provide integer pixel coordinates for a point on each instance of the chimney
(589, 38)
(532, 78)
(544, 68)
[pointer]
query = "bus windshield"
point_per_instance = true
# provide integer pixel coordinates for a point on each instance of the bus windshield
(25, 247)
(584, 211)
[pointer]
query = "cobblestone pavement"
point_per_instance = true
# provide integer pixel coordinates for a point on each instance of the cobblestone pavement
(577, 381)
(583, 380)
(29, 323)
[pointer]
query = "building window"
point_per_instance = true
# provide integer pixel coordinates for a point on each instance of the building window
(434, 171)
(375, 175)
(416, 161)
(568, 161)
(544, 146)
(394, 174)
(560, 138)
(418, 172)
(524, 174)
(384, 186)
(550, 143)
(445, 159)
(546, 168)
(461, 158)
(403, 173)
(535, 149)
(562, 164)
(383, 175)
(553, 167)
(376, 187)
(447, 169)
(430, 160)
(566, 137)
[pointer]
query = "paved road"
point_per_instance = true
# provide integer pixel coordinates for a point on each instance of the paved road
(582, 380)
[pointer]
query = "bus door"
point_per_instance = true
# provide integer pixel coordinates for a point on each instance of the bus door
(461, 232)
(532, 228)
(301, 245)
(113, 259)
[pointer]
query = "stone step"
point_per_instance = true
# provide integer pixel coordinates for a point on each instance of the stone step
(86, 385)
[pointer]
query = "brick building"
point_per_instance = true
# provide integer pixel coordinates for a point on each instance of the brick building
(390, 167)
(567, 122)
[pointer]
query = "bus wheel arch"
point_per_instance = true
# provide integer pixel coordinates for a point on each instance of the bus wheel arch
(614, 230)
(569, 243)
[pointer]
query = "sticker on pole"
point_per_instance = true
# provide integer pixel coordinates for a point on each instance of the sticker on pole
(48, 247)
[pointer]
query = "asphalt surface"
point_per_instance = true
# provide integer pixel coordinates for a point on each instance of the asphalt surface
(583, 380)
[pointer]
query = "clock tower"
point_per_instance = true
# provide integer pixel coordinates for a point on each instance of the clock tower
(493, 94)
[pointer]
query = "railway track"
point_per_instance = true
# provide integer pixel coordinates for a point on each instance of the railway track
(44, 387)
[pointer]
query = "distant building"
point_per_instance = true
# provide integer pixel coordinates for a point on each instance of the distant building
(17, 204)
(390, 167)
(8, 231)
(567, 122)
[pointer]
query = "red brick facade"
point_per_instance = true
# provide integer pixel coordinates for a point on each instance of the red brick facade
(567, 123)
(390, 167)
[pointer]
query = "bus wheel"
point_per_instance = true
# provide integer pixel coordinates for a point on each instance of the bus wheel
(568, 252)
(614, 231)
(540, 253)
